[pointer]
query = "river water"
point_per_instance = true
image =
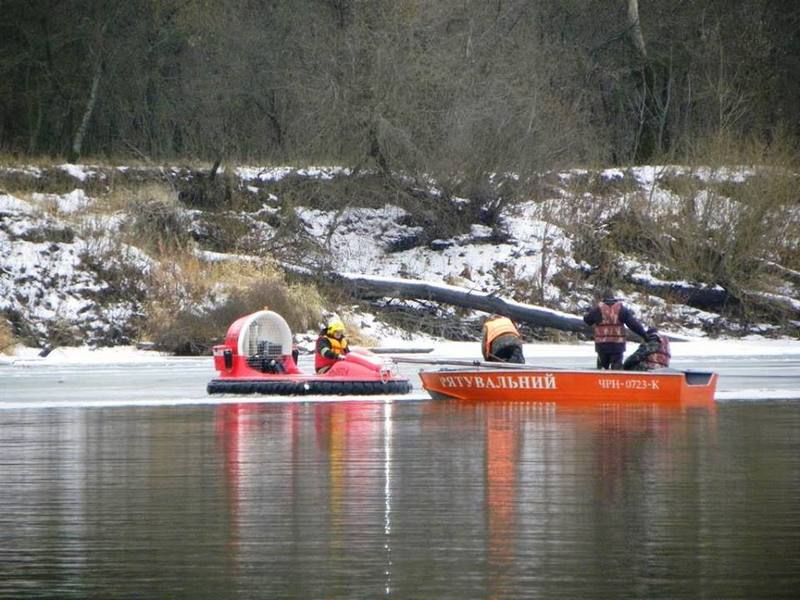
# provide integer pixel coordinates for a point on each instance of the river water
(127, 481)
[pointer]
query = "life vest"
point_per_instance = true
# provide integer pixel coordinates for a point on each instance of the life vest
(337, 348)
(660, 358)
(609, 330)
(493, 329)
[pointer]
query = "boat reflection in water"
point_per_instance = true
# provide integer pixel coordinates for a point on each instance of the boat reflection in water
(310, 474)
(579, 486)
(246, 433)
(377, 490)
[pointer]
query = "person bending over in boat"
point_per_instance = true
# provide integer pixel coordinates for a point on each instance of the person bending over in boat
(651, 354)
(331, 346)
(501, 341)
(609, 319)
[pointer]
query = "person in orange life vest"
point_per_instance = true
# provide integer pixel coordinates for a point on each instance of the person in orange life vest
(609, 319)
(501, 341)
(331, 346)
(651, 354)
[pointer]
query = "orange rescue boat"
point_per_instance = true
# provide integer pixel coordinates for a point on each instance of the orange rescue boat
(506, 382)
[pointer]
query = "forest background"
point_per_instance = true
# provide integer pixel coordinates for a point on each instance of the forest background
(446, 86)
(411, 91)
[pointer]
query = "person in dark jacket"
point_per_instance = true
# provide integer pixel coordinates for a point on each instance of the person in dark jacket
(609, 319)
(653, 353)
(501, 341)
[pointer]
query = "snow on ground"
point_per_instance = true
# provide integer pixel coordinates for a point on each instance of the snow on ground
(11, 205)
(75, 201)
(80, 172)
(84, 355)
(692, 348)
(278, 173)
(360, 239)
(537, 353)
(49, 281)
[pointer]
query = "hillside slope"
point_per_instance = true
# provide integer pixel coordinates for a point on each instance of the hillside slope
(105, 255)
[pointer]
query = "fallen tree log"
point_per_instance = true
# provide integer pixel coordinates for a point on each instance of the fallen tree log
(705, 298)
(375, 287)
(367, 287)
(778, 305)
(717, 299)
(785, 273)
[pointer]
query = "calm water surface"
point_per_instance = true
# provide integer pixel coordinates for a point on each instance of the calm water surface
(387, 498)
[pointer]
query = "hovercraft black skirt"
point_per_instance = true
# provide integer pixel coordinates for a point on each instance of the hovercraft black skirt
(307, 388)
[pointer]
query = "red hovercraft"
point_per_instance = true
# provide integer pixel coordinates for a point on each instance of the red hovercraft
(256, 358)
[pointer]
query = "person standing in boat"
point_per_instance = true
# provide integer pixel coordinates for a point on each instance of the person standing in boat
(609, 319)
(331, 346)
(501, 341)
(653, 353)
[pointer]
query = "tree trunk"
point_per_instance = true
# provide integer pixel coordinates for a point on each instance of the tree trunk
(655, 93)
(713, 299)
(77, 144)
(636, 29)
(363, 286)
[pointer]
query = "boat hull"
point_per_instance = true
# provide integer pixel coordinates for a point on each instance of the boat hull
(537, 385)
(307, 386)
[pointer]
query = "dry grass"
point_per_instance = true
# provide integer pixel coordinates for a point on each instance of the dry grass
(43, 162)
(731, 214)
(354, 334)
(126, 195)
(192, 303)
(47, 161)
(726, 225)
(7, 340)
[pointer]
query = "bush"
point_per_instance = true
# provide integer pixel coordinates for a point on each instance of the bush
(159, 227)
(721, 222)
(214, 191)
(723, 239)
(124, 195)
(224, 233)
(62, 332)
(176, 324)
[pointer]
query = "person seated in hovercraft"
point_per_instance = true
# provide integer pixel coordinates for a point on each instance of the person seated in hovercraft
(501, 341)
(651, 354)
(331, 346)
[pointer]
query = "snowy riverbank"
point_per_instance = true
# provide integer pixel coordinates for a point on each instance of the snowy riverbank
(752, 370)
(80, 265)
(693, 348)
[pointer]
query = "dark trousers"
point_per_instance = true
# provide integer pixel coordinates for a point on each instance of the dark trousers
(609, 360)
(509, 354)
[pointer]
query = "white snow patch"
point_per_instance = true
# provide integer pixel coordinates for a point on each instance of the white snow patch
(84, 355)
(10, 204)
(278, 173)
(30, 170)
(387, 336)
(73, 202)
(612, 174)
(80, 172)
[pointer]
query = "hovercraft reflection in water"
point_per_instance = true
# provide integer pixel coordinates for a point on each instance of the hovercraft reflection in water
(256, 358)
